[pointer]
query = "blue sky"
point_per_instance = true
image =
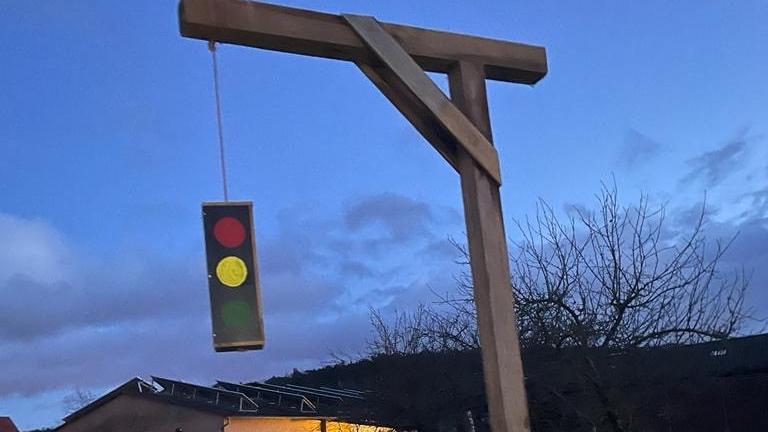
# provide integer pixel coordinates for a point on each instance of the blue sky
(108, 147)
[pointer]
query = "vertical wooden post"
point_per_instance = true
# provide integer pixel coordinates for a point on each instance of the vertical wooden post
(502, 366)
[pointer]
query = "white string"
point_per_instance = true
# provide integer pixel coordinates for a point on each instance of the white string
(212, 49)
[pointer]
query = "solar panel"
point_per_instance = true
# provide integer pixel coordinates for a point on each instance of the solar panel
(207, 395)
(317, 394)
(346, 391)
(325, 390)
(280, 397)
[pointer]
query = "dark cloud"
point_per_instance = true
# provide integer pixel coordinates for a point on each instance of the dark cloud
(33, 309)
(745, 237)
(742, 221)
(178, 347)
(714, 166)
(637, 149)
(439, 250)
(355, 269)
(685, 219)
(757, 204)
(401, 218)
(575, 209)
(749, 246)
(747, 253)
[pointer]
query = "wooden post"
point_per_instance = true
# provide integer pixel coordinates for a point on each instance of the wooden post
(494, 300)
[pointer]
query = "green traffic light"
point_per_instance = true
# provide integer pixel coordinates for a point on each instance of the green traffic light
(236, 313)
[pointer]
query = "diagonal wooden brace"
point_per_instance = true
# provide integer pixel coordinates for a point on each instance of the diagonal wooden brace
(422, 102)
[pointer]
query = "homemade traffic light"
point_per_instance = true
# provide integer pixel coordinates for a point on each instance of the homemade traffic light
(233, 278)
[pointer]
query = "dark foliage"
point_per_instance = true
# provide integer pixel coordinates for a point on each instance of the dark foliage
(703, 387)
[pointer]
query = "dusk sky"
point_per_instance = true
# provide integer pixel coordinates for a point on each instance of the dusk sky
(108, 147)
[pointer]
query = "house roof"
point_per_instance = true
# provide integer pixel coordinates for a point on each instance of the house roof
(6, 425)
(225, 399)
(132, 386)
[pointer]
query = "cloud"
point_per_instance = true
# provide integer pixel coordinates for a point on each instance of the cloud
(177, 347)
(745, 235)
(72, 318)
(49, 289)
(356, 269)
(32, 248)
(637, 149)
(34, 309)
(737, 209)
(757, 206)
(714, 166)
(747, 252)
(401, 218)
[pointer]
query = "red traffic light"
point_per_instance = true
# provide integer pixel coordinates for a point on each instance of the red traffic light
(229, 232)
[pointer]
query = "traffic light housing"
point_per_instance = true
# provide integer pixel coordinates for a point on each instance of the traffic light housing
(233, 277)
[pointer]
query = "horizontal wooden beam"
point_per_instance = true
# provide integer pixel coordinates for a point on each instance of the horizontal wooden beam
(299, 31)
(437, 108)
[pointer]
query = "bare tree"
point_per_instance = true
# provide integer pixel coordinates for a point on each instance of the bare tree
(613, 278)
(404, 333)
(616, 278)
(426, 328)
(77, 399)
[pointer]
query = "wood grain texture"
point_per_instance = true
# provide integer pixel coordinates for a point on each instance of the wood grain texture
(439, 109)
(299, 31)
(494, 299)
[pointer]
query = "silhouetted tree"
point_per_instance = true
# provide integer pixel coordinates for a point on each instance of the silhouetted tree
(612, 279)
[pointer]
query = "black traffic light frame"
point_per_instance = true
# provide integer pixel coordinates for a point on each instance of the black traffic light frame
(236, 311)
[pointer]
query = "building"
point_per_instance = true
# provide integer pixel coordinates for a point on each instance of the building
(176, 406)
(6, 425)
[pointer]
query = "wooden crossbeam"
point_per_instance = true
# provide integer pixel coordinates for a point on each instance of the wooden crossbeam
(299, 31)
(438, 108)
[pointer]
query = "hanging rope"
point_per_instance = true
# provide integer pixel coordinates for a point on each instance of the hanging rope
(212, 49)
